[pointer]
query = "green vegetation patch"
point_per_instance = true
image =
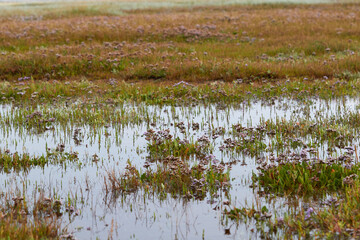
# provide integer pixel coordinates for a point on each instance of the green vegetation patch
(307, 177)
(175, 177)
(23, 162)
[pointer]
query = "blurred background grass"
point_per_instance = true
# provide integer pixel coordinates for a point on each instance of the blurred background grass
(117, 7)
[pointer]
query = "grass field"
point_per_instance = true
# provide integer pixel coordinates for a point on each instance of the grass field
(196, 44)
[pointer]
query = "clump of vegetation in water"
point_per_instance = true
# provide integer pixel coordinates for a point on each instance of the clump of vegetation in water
(173, 174)
(23, 219)
(162, 143)
(298, 174)
(24, 162)
(328, 188)
(174, 177)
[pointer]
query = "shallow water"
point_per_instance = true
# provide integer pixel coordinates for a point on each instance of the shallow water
(136, 216)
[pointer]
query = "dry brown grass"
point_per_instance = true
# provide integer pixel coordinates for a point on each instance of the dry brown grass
(198, 44)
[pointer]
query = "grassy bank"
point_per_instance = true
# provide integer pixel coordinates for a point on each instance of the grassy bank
(194, 44)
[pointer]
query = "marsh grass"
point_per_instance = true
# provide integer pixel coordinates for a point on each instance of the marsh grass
(114, 93)
(329, 191)
(162, 144)
(335, 217)
(198, 44)
(176, 178)
(307, 178)
(24, 162)
(175, 172)
(336, 131)
(71, 69)
(23, 219)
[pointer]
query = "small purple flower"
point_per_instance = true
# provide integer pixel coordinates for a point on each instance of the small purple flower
(308, 213)
(348, 166)
(215, 161)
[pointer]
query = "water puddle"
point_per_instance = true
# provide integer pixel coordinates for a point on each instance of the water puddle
(234, 137)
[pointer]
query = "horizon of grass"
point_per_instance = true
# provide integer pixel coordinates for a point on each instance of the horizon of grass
(66, 7)
(247, 42)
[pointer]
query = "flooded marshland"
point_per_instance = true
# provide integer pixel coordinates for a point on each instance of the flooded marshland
(121, 121)
(172, 171)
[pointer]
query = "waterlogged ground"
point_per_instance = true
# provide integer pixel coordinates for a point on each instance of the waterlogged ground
(98, 163)
(208, 122)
